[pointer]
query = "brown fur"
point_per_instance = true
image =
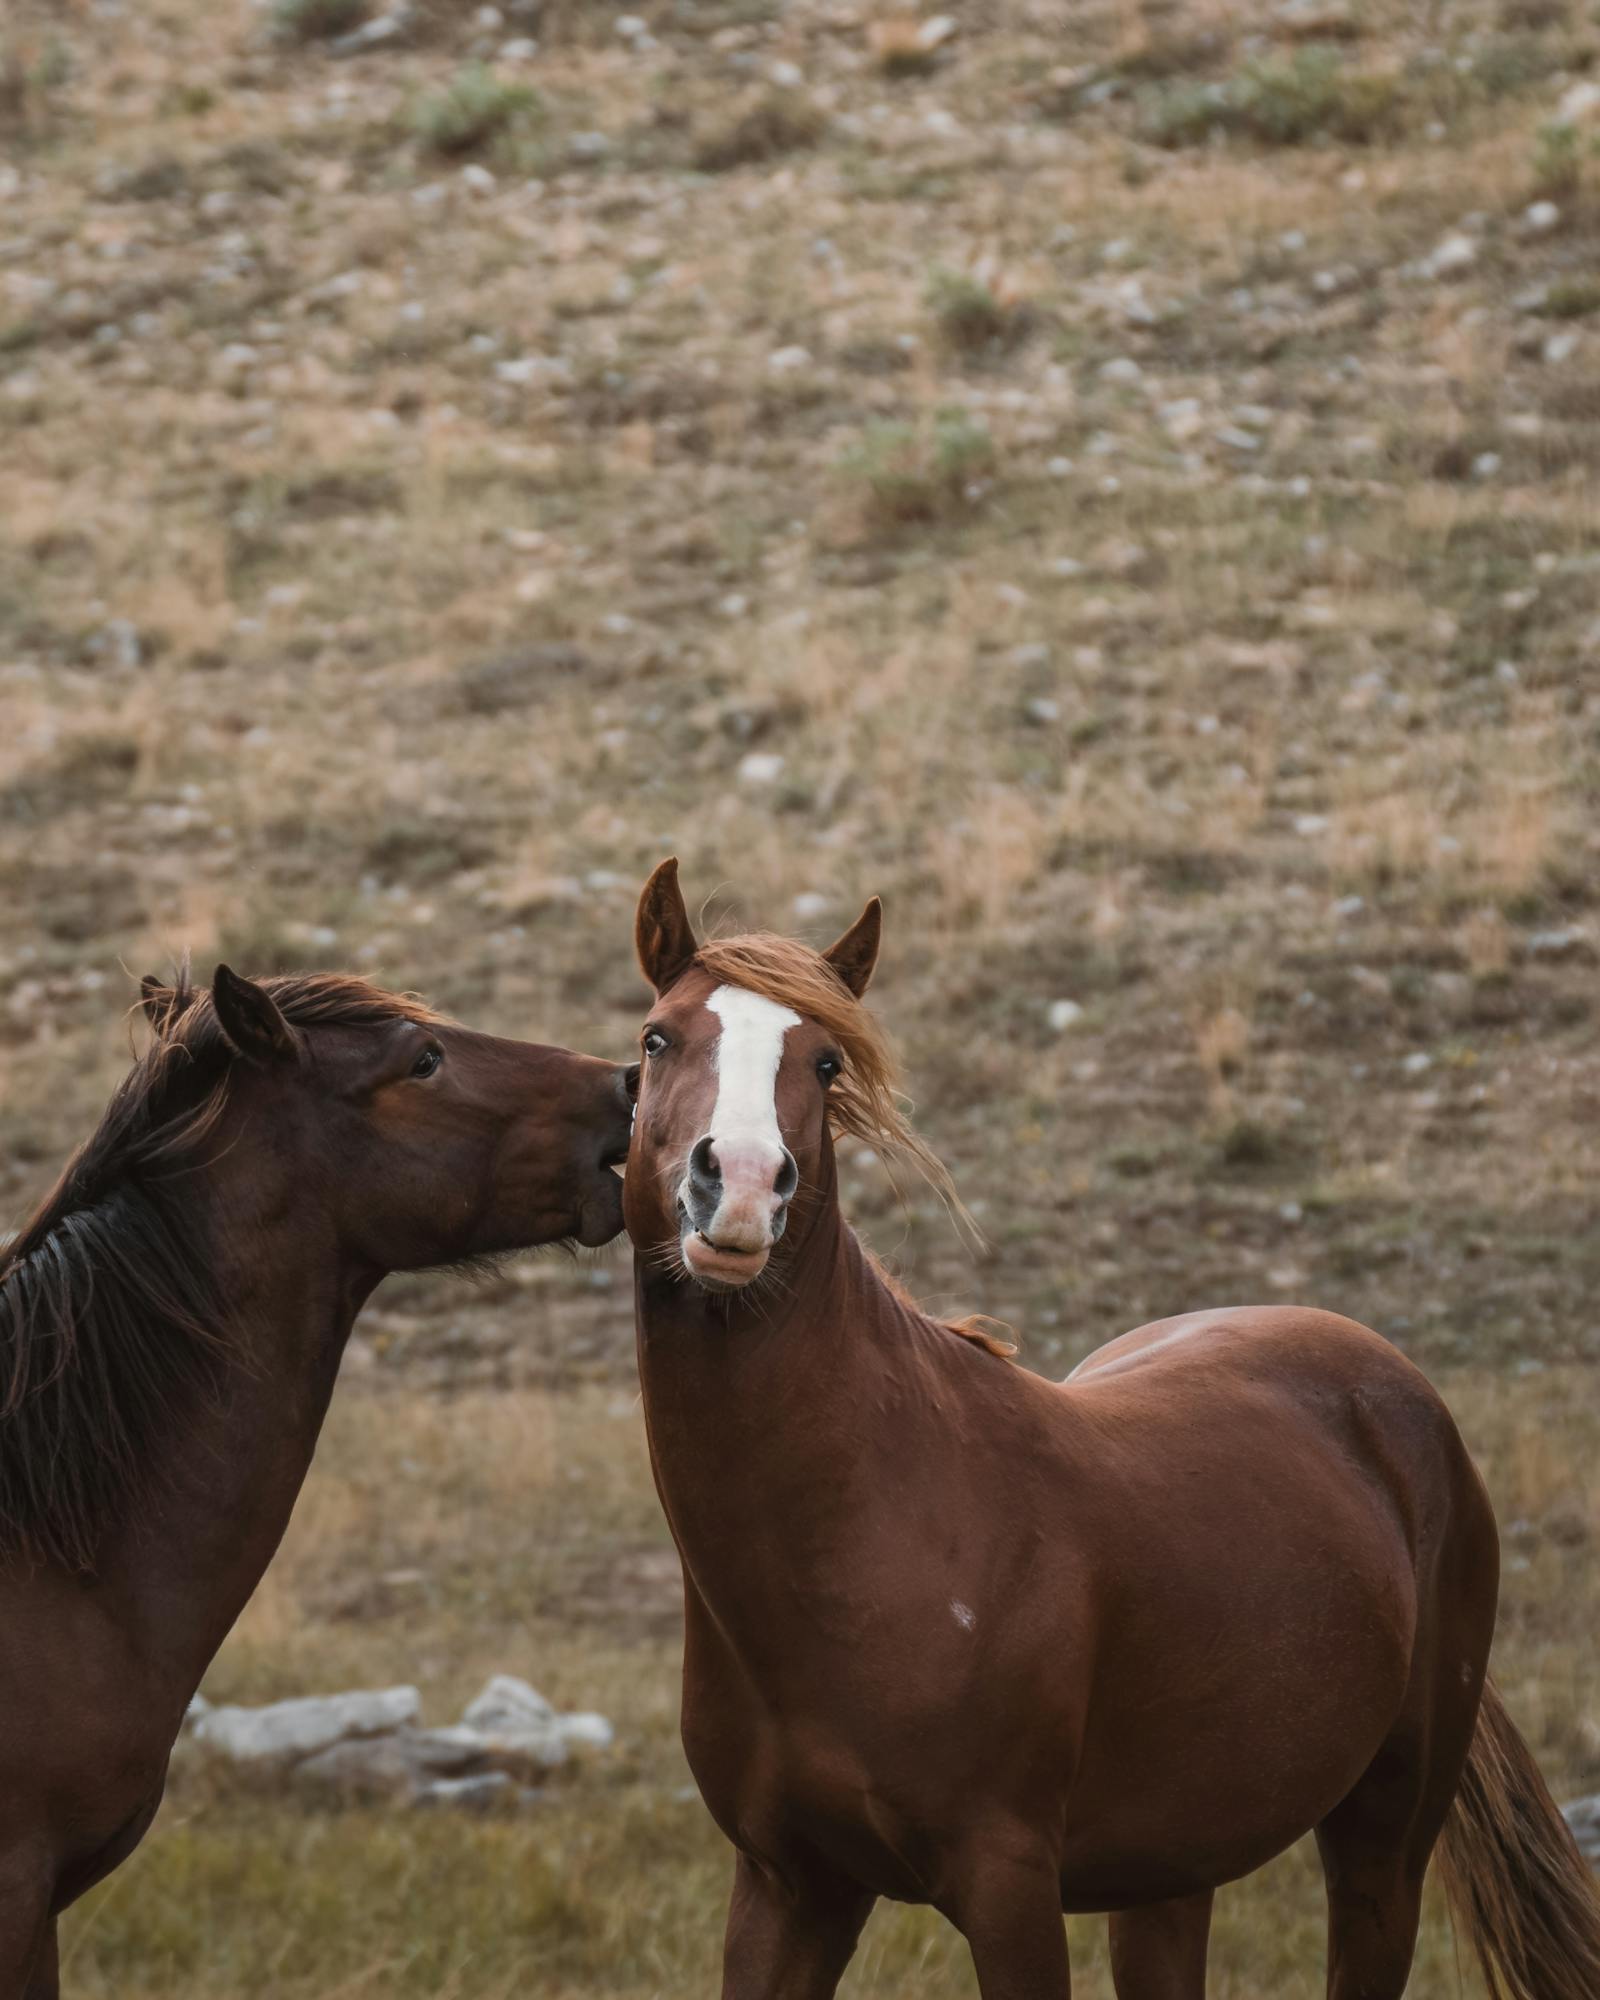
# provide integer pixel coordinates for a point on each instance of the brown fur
(1241, 1587)
(865, 1101)
(111, 1323)
(171, 1327)
(1518, 1887)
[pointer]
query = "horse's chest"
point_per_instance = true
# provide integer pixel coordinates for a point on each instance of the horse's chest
(836, 1774)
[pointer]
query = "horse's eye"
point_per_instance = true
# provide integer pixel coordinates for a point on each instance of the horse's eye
(654, 1042)
(427, 1062)
(828, 1067)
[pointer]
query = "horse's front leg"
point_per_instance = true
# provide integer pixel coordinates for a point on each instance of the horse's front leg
(1009, 1908)
(45, 1980)
(789, 1938)
(27, 1930)
(1158, 1951)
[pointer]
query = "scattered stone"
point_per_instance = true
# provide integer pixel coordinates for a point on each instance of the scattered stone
(367, 1746)
(785, 360)
(1540, 217)
(1122, 369)
(1417, 1063)
(1452, 256)
(1560, 347)
(1570, 942)
(507, 1703)
(1583, 1816)
(1580, 105)
(286, 1732)
(387, 30)
(761, 767)
(1063, 1014)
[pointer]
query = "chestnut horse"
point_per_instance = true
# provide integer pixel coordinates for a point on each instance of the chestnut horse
(957, 1635)
(171, 1324)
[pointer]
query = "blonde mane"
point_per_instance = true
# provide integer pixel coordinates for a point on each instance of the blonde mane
(865, 1100)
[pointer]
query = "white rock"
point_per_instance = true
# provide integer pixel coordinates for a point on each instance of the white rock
(1583, 1816)
(1486, 465)
(286, 1731)
(761, 767)
(1063, 1014)
(810, 904)
(478, 178)
(1540, 217)
(586, 1730)
(1581, 104)
(1417, 1062)
(1121, 368)
(785, 360)
(508, 1702)
(1454, 254)
(1560, 346)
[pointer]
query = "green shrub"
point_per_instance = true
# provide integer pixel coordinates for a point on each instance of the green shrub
(1291, 101)
(970, 318)
(316, 20)
(1557, 160)
(906, 473)
(765, 128)
(473, 109)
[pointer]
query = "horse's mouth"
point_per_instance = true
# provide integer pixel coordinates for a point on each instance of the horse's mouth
(601, 1217)
(719, 1268)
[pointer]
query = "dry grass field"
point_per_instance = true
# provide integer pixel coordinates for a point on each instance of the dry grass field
(1119, 482)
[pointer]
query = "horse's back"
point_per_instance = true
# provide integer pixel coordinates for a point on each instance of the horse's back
(1331, 1382)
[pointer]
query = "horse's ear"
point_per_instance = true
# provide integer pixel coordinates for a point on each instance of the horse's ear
(855, 954)
(158, 1000)
(163, 1000)
(662, 930)
(251, 1019)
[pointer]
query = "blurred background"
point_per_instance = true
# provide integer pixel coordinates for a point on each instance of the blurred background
(1116, 479)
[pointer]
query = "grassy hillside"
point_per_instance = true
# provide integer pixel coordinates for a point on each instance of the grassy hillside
(1119, 482)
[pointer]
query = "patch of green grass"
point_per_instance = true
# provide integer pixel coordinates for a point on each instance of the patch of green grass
(1572, 298)
(970, 317)
(1299, 100)
(30, 78)
(1557, 160)
(475, 109)
(316, 20)
(904, 474)
(776, 122)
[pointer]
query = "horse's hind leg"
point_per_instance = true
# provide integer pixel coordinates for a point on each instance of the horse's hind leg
(1376, 1844)
(1158, 1951)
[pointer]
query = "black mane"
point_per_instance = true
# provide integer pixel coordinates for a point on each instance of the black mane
(112, 1316)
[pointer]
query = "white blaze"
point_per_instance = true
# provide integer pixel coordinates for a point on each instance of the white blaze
(749, 1052)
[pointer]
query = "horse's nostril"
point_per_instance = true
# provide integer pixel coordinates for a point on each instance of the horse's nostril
(703, 1169)
(788, 1177)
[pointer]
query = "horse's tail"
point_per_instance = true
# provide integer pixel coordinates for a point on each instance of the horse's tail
(1518, 1887)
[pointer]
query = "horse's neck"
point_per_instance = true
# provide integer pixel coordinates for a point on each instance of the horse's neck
(234, 1471)
(766, 1417)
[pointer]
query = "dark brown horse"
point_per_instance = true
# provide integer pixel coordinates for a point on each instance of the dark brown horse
(171, 1324)
(960, 1636)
